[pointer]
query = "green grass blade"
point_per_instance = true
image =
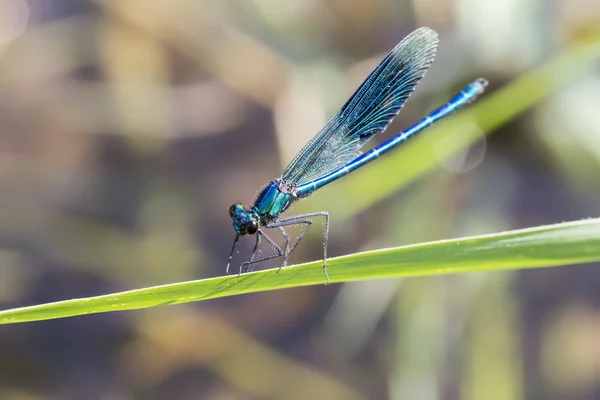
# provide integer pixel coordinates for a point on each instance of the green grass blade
(552, 245)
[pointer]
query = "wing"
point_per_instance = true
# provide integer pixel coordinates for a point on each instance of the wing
(368, 111)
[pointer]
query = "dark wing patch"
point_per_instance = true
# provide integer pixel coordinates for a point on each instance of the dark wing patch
(368, 111)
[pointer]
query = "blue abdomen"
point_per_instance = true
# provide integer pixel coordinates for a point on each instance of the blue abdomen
(273, 200)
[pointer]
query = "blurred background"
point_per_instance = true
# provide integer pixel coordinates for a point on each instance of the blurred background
(128, 128)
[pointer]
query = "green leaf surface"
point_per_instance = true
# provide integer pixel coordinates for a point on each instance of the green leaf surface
(552, 245)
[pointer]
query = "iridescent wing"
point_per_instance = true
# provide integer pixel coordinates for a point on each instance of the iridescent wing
(368, 111)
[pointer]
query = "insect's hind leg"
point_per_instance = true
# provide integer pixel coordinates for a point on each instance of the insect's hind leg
(304, 219)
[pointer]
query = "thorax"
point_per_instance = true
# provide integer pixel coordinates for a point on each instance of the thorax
(277, 197)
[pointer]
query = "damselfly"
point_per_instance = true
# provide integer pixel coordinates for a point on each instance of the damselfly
(335, 150)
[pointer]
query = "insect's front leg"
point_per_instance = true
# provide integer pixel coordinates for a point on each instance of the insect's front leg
(237, 237)
(255, 250)
(278, 250)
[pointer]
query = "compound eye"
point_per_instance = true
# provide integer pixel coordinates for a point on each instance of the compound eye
(232, 210)
(251, 227)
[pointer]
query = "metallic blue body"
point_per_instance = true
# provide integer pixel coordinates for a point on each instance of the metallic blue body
(279, 195)
(274, 199)
(467, 95)
(335, 150)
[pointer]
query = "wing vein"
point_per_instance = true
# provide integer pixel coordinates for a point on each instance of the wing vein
(368, 111)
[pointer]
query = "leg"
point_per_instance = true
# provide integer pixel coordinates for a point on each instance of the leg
(304, 219)
(255, 250)
(287, 245)
(290, 222)
(278, 250)
(231, 254)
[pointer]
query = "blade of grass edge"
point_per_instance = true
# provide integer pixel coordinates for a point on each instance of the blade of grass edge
(551, 245)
